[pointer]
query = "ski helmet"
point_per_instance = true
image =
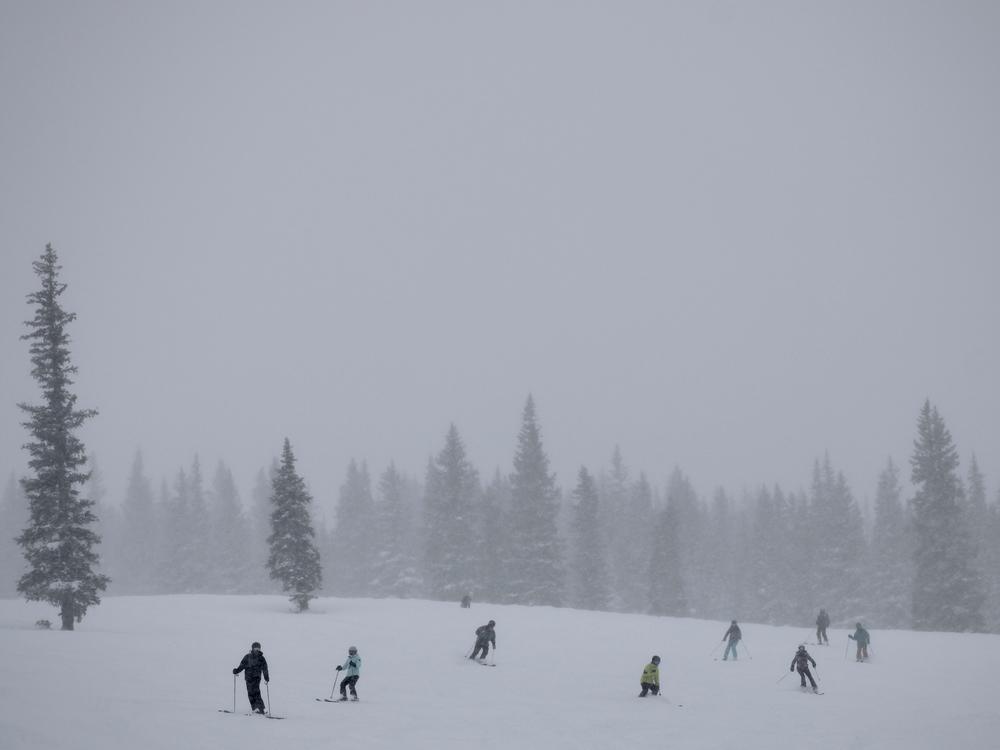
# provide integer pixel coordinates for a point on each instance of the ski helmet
(255, 644)
(494, 622)
(352, 650)
(655, 660)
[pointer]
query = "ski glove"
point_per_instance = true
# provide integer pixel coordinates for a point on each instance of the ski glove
(791, 669)
(236, 671)
(339, 667)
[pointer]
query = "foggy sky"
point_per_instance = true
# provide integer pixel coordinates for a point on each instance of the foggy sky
(725, 236)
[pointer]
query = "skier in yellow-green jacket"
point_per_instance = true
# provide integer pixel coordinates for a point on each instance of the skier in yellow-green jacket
(651, 678)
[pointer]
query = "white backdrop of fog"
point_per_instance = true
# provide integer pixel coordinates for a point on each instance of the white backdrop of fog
(726, 236)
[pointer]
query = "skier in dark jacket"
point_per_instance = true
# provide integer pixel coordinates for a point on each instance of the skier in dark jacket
(254, 665)
(734, 635)
(801, 661)
(822, 623)
(485, 635)
(862, 638)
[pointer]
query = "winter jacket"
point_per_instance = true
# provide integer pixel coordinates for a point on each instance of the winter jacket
(486, 633)
(351, 667)
(733, 633)
(823, 621)
(802, 660)
(254, 664)
(651, 674)
(861, 636)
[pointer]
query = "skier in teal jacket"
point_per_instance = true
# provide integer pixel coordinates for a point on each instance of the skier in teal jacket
(352, 673)
(862, 638)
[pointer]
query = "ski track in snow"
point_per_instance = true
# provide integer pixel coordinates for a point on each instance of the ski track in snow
(154, 672)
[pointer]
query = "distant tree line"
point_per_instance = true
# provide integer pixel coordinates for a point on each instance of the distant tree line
(614, 542)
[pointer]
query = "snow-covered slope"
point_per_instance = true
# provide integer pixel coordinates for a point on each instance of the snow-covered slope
(152, 672)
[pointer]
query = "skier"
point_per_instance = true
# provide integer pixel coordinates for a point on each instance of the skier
(862, 638)
(466, 601)
(734, 635)
(485, 635)
(801, 661)
(255, 665)
(352, 674)
(650, 681)
(822, 623)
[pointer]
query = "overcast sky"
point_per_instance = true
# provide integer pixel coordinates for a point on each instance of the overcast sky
(726, 236)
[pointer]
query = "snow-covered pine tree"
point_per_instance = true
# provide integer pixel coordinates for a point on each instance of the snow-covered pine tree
(293, 559)
(535, 564)
(666, 579)
(838, 543)
(493, 543)
(721, 547)
(352, 553)
(231, 535)
(771, 535)
(58, 541)
(260, 529)
(136, 564)
(619, 530)
(451, 493)
(198, 571)
(947, 590)
(890, 570)
(589, 572)
(395, 571)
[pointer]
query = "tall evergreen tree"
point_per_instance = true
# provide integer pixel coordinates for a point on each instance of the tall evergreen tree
(589, 571)
(947, 591)
(136, 565)
(395, 570)
(890, 582)
(535, 565)
(260, 530)
(493, 540)
(294, 559)
(353, 537)
(451, 495)
(667, 595)
(58, 541)
(231, 536)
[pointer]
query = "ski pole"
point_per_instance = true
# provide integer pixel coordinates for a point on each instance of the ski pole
(749, 655)
(267, 687)
(783, 676)
(333, 690)
(847, 646)
(234, 693)
(717, 647)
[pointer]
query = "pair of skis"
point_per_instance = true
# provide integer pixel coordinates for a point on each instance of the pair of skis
(254, 713)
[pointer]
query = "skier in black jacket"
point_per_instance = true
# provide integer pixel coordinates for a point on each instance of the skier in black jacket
(801, 661)
(485, 635)
(255, 665)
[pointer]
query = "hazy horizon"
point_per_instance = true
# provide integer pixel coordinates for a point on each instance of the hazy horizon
(729, 238)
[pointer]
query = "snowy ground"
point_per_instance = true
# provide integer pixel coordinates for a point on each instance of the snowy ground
(152, 672)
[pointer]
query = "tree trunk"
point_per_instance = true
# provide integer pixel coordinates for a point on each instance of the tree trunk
(67, 614)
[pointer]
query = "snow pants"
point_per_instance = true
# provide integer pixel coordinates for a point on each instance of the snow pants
(349, 682)
(253, 693)
(731, 647)
(648, 687)
(821, 635)
(483, 646)
(862, 651)
(803, 673)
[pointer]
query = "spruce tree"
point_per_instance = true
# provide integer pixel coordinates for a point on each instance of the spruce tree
(493, 541)
(451, 495)
(352, 552)
(231, 536)
(394, 569)
(947, 590)
(139, 531)
(890, 580)
(535, 561)
(589, 571)
(666, 580)
(58, 541)
(294, 559)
